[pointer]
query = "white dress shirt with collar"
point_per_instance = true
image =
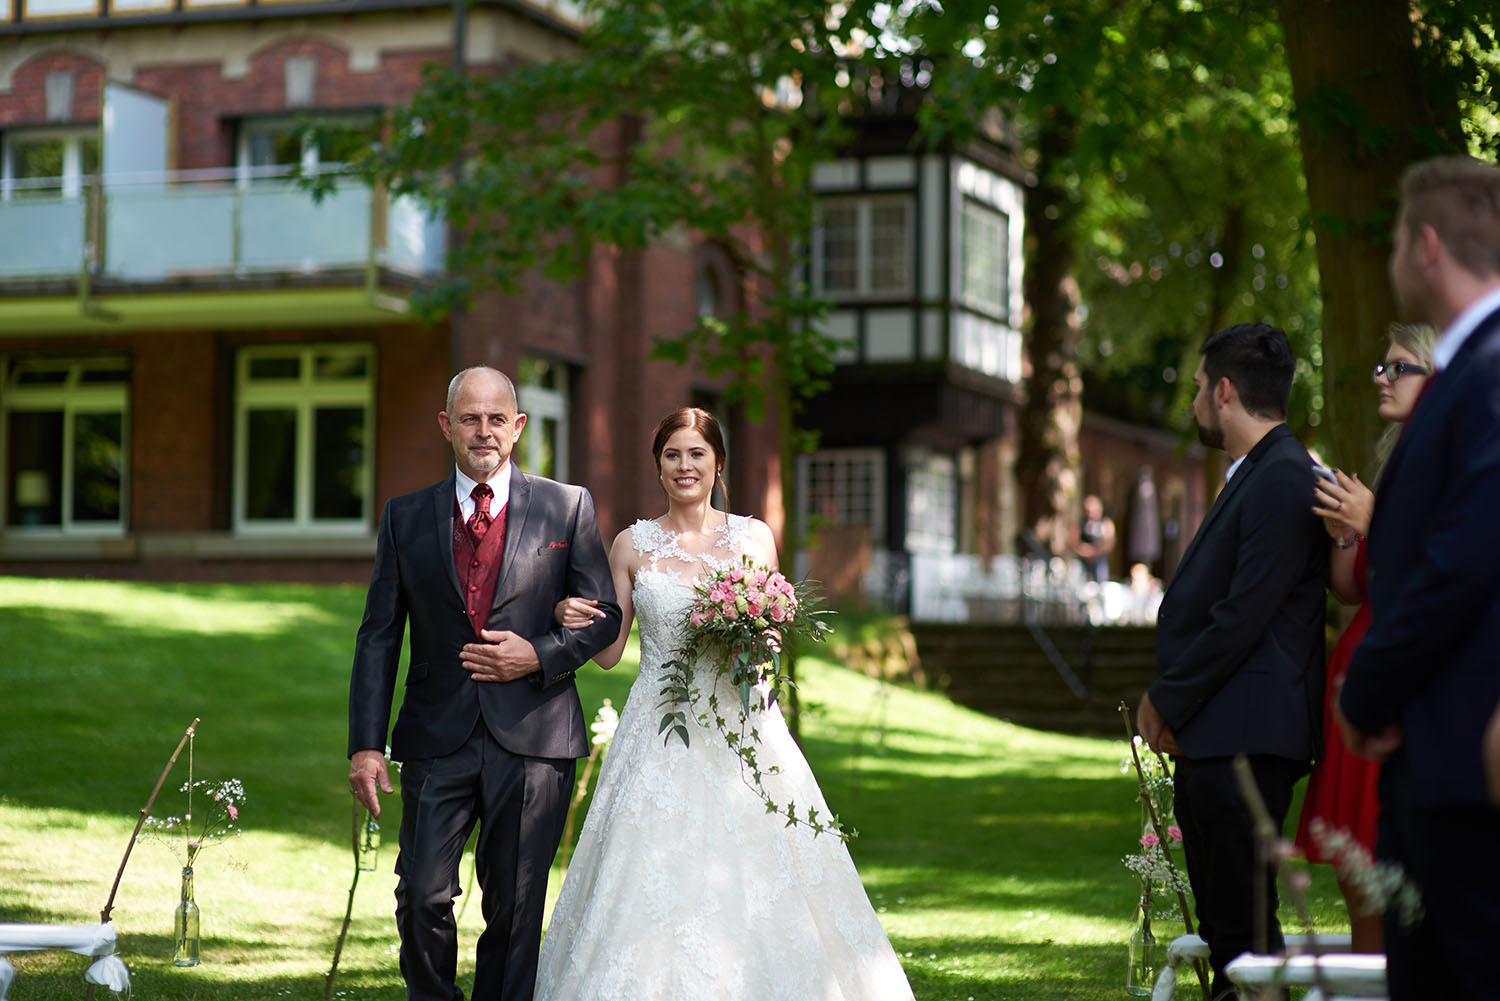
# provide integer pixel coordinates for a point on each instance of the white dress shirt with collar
(1459, 330)
(463, 486)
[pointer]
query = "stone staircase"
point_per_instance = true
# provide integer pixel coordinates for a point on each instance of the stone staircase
(1001, 670)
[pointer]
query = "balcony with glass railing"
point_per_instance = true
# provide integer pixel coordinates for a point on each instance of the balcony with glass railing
(247, 247)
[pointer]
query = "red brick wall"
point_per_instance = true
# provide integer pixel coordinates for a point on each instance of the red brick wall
(26, 103)
(181, 401)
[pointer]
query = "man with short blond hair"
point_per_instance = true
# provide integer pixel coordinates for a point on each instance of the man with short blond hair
(1425, 681)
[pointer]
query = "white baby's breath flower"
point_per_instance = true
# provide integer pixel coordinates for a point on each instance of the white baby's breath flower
(606, 720)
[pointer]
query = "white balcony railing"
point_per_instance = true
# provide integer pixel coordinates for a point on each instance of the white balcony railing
(146, 228)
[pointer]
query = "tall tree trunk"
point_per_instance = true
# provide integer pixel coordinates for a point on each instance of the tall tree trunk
(1357, 80)
(1048, 453)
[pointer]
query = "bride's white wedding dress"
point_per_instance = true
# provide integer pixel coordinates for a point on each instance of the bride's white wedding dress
(683, 887)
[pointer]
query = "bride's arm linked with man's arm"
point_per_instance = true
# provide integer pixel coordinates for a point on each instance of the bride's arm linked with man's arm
(576, 613)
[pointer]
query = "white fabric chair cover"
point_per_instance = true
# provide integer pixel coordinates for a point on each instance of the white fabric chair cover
(86, 940)
(1183, 949)
(1359, 975)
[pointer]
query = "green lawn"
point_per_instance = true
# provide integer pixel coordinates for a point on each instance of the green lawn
(992, 852)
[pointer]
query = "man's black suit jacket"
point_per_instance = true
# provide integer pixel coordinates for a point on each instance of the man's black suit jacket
(552, 550)
(1239, 638)
(1431, 657)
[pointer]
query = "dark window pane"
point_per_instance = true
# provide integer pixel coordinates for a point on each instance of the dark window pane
(104, 374)
(285, 367)
(340, 366)
(271, 464)
(341, 142)
(36, 374)
(546, 447)
(338, 463)
(35, 468)
(278, 146)
(88, 155)
(37, 158)
(540, 372)
(98, 465)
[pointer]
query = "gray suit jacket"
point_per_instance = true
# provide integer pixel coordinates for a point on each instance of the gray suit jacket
(552, 550)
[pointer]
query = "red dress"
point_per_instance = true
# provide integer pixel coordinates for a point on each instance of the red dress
(1342, 790)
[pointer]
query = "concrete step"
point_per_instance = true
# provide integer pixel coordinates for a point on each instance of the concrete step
(1001, 670)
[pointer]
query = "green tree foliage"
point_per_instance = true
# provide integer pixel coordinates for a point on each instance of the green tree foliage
(1200, 221)
(1166, 200)
(1377, 86)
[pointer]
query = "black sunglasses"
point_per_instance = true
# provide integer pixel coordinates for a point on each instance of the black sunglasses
(1393, 371)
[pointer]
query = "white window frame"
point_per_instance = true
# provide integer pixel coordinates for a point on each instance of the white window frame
(996, 224)
(72, 176)
(865, 287)
(304, 395)
(931, 477)
(545, 403)
(842, 461)
(72, 397)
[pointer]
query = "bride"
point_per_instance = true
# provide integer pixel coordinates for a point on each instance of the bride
(683, 887)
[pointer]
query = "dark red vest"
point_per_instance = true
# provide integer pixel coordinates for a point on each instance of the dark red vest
(478, 567)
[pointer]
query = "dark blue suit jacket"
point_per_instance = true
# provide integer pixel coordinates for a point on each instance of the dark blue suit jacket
(1239, 638)
(1431, 657)
(552, 550)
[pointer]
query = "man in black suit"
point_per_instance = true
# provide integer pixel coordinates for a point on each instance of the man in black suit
(490, 723)
(1425, 681)
(1239, 638)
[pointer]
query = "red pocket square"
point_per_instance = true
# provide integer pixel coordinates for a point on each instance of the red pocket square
(558, 545)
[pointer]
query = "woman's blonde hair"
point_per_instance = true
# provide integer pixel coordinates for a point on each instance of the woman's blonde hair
(1419, 339)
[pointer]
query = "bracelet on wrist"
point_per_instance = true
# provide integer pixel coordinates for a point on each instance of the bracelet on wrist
(1347, 540)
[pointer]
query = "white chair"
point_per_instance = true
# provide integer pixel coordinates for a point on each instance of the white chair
(107, 970)
(1347, 976)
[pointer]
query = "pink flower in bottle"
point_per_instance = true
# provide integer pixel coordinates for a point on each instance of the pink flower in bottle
(1149, 840)
(1175, 832)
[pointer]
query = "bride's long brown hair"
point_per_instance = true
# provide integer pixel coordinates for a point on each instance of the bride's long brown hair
(700, 420)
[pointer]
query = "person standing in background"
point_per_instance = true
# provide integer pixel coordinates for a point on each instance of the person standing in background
(1239, 638)
(1424, 683)
(1342, 793)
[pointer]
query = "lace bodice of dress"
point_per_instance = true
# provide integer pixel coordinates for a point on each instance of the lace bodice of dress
(664, 583)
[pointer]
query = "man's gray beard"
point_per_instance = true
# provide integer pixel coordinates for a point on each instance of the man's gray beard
(1212, 437)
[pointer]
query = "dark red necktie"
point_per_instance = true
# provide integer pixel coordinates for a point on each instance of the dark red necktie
(480, 521)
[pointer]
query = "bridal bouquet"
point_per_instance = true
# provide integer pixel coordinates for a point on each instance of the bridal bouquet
(736, 626)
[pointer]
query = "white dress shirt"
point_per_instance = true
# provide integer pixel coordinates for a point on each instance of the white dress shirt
(1459, 330)
(463, 486)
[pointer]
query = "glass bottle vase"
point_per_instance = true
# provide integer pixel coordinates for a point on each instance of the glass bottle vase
(185, 924)
(1145, 954)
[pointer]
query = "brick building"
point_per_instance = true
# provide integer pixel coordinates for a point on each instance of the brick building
(203, 373)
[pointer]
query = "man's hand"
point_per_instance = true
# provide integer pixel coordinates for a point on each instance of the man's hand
(1374, 746)
(1154, 730)
(366, 769)
(503, 656)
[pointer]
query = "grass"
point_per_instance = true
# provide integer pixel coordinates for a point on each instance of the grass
(991, 852)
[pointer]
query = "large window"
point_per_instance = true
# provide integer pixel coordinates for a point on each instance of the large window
(986, 264)
(304, 437)
(45, 163)
(931, 502)
(65, 443)
(543, 448)
(863, 246)
(844, 487)
(282, 142)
